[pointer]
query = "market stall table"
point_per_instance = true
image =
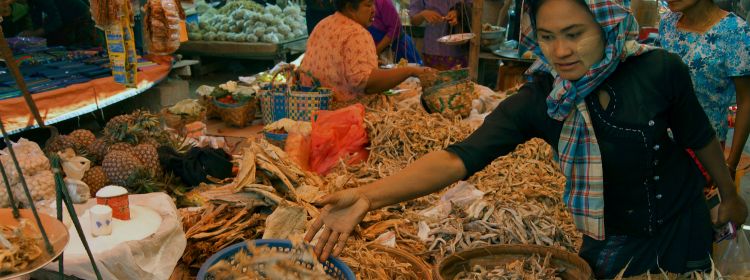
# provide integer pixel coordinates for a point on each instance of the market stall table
(75, 100)
(267, 51)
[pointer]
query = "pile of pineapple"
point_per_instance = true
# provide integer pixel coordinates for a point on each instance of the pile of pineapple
(36, 172)
(126, 154)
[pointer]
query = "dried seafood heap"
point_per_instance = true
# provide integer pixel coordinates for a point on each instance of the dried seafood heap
(215, 227)
(529, 269)
(521, 205)
(370, 263)
(262, 262)
(522, 202)
(398, 138)
(18, 248)
(267, 181)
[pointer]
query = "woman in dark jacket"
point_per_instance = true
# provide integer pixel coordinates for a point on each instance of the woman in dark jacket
(605, 104)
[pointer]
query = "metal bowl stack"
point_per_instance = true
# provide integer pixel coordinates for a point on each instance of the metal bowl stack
(492, 37)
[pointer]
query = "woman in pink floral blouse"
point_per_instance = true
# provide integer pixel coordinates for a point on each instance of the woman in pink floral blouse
(341, 54)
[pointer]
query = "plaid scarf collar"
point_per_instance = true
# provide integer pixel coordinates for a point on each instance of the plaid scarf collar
(578, 149)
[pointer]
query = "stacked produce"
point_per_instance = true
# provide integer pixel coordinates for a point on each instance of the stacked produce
(36, 171)
(247, 21)
(126, 154)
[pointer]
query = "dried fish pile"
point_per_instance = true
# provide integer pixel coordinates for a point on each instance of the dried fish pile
(217, 226)
(532, 268)
(398, 138)
(267, 181)
(522, 205)
(18, 248)
(369, 263)
(262, 262)
(522, 202)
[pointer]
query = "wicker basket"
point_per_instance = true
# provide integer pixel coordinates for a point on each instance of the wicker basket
(433, 79)
(292, 100)
(178, 122)
(237, 115)
(490, 256)
(450, 100)
(302, 104)
(420, 268)
(212, 112)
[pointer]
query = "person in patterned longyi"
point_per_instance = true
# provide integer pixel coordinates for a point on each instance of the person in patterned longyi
(341, 54)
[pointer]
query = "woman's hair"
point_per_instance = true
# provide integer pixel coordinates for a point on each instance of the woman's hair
(534, 6)
(341, 4)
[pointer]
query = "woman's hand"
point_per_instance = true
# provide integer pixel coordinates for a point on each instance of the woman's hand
(432, 17)
(732, 209)
(341, 212)
(416, 71)
(452, 18)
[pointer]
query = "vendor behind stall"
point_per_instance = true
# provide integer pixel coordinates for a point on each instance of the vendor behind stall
(386, 31)
(605, 104)
(62, 22)
(341, 53)
(442, 18)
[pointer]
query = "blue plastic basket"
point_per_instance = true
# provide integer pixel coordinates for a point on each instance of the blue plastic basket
(273, 103)
(333, 266)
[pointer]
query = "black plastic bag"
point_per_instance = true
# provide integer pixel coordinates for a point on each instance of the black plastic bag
(199, 165)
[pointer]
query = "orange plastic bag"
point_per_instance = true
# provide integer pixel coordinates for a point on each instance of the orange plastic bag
(297, 147)
(338, 135)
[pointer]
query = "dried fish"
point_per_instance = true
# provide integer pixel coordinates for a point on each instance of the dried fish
(370, 263)
(264, 262)
(286, 222)
(20, 247)
(532, 268)
(216, 226)
(522, 204)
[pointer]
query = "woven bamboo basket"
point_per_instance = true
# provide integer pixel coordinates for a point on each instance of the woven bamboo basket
(575, 268)
(212, 112)
(237, 115)
(178, 122)
(420, 268)
(450, 100)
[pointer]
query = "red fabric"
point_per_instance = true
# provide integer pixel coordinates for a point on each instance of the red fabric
(338, 135)
(51, 104)
(700, 166)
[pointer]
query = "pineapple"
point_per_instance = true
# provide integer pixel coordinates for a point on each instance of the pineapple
(122, 146)
(97, 150)
(146, 120)
(123, 132)
(119, 166)
(148, 155)
(83, 138)
(96, 179)
(118, 120)
(60, 143)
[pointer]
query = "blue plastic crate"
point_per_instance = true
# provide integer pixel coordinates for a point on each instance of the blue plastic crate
(333, 266)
